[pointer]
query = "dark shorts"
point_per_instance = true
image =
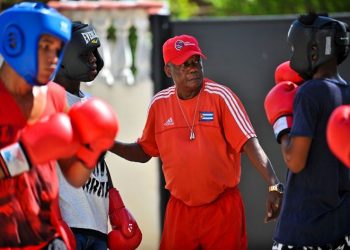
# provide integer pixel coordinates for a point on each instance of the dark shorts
(341, 244)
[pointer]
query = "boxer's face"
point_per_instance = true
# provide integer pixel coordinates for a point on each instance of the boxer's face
(49, 49)
(90, 59)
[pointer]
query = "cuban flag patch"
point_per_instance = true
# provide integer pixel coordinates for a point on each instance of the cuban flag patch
(206, 116)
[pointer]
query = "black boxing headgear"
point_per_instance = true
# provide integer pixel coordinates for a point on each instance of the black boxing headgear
(74, 65)
(315, 40)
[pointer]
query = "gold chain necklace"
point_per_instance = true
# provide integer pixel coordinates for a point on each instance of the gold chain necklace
(192, 134)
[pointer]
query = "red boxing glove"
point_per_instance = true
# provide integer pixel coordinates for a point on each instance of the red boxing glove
(279, 107)
(116, 241)
(50, 138)
(96, 125)
(338, 133)
(284, 72)
(125, 232)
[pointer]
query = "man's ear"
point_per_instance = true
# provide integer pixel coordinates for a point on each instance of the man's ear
(167, 70)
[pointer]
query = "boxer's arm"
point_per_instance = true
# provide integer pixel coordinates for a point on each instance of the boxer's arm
(75, 171)
(295, 151)
(96, 126)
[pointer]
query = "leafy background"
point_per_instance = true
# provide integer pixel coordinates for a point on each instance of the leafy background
(184, 9)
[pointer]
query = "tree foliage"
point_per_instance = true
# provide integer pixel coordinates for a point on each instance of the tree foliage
(264, 7)
(183, 8)
(187, 8)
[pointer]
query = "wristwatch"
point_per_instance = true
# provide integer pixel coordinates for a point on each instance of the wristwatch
(279, 187)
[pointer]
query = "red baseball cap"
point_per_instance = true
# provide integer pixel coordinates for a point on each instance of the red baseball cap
(179, 48)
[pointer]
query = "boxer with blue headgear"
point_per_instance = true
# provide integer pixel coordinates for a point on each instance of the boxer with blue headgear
(20, 36)
(38, 131)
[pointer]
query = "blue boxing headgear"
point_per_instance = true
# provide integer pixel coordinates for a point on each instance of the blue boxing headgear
(74, 64)
(316, 40)
(21, 27)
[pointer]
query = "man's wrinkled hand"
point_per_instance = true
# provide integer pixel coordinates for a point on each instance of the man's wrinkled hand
(273, 206)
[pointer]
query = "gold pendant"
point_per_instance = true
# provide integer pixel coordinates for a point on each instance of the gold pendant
(192, 135)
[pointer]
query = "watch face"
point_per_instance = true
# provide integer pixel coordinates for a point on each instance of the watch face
(280, 187)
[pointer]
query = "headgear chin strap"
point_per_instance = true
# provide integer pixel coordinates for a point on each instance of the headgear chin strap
(21, 27)
(74, 64)
(324, 39)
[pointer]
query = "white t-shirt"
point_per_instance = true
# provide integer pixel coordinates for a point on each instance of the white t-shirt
(85, 207)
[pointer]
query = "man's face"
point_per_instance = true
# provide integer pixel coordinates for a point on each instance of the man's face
(49, 49)
(187, 76)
